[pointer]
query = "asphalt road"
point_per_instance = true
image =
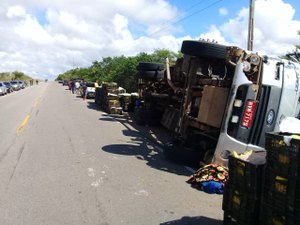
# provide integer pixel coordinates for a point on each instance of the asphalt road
(64, 162)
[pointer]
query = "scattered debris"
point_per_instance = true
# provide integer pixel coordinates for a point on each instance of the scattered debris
(210, 178)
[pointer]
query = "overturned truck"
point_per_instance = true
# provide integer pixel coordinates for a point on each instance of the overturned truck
(224, 99)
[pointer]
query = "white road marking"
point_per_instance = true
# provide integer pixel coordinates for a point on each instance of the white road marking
(142, 193)
(91, 172)
(97, 182)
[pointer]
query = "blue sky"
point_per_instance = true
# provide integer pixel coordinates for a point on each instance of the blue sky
(196, 14)
(36, 35)
(206, 12)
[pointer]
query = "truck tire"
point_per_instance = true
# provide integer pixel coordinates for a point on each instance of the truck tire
(150, 66)
(203, 49)
(180, 154)
(208, 156)
(151, 75)
(149, 117)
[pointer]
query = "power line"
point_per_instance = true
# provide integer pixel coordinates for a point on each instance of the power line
(201, 10)
(193, 6)
(188, 16)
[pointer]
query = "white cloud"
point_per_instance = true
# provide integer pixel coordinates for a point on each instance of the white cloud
(275, 29)
(223, 11)
(45, 38)
(15, 11)
(214, 34)
(29, 29)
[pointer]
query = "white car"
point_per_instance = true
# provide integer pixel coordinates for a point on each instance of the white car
(22, 84)
(90, 90)
(15, 84)
(3, 88)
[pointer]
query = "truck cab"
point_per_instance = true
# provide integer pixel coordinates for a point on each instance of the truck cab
(232, 97)
(258, 106)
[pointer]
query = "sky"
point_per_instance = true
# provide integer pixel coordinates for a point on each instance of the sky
(46, 38)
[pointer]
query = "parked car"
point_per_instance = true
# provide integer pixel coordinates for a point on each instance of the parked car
(65, 83)
(8, 86)
(90, 90)
(3, 89)
(22, 84)
(15, 84)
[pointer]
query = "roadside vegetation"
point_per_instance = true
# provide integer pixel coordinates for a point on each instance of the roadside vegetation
(16, 75)
(119, 69)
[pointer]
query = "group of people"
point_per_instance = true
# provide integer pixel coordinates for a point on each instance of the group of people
(31, 82)
(79, 87)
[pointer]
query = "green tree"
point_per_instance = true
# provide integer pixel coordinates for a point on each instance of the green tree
(160, 55)
(5, 76)
(16, 75)
(119, 69)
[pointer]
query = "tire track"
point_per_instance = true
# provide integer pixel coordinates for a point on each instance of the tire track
(17, 162)
(69, 140)
(4, 154)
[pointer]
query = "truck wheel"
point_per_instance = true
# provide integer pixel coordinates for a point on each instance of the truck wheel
(208, 156)
(140, 121)
(203, 49)
(149, 117)
(151, 75)
(150, 66)
(181, 154)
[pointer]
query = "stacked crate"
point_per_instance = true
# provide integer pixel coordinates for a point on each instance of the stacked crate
(125, 100)
(281, 185)
(241, 199)
(107, 98)
(113, 105)
(110, 87)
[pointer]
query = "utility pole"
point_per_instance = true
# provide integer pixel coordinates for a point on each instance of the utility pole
(251, 25)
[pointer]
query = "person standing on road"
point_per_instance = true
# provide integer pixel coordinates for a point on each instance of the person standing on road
(84, 87)
(96, 83)
(77, 86)
(72, 86)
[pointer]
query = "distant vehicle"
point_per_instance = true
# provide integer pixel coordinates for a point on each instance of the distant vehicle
(90, 90)
(15, 84)
(3, 89)
(22, 84)
(8, 86)
(65, 83)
